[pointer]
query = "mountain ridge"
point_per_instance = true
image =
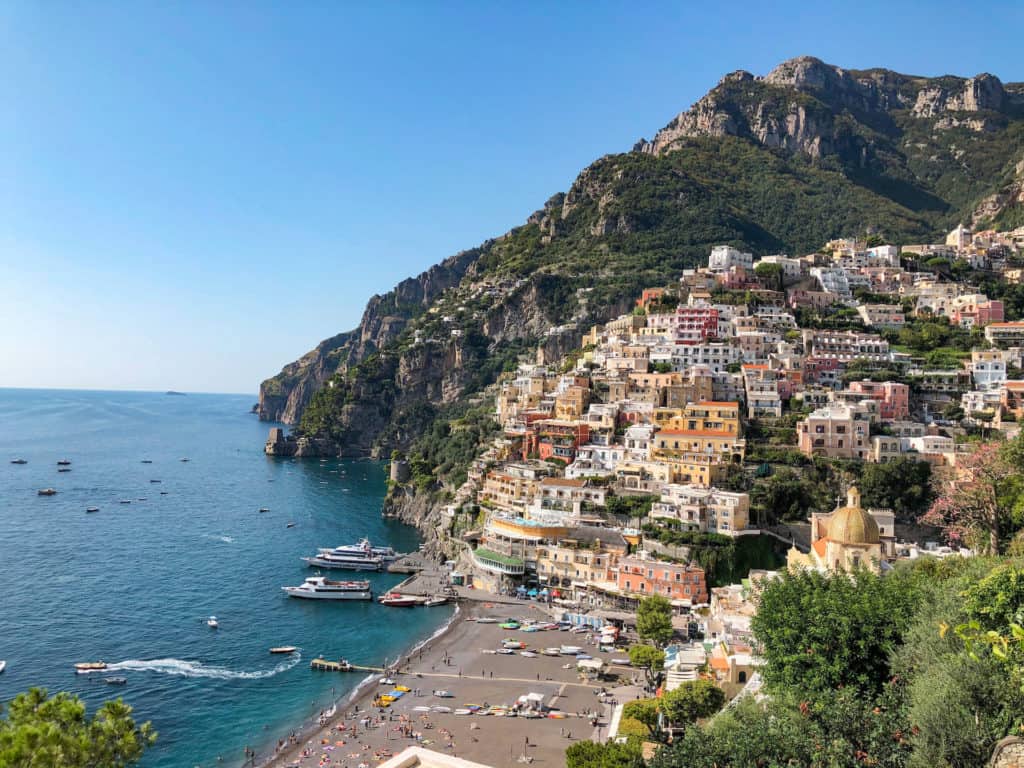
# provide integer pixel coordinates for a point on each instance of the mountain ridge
(775, 163)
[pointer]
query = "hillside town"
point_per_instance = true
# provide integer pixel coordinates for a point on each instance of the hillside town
(615, 464)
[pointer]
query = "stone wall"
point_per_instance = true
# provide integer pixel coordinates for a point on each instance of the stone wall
(1009, 753)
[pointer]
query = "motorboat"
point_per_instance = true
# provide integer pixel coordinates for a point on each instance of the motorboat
(147, 461)
(85, 667)
(154, 481)
(115, 680)
(92, 509)
(363, 549)
(164, 493)
(505, 651)
(443, 694)
(398, 600)
(284, 649)
(570, 650)
(347, 561)
(63, 469)
(386, 681)
(515, 645)
(486, 620)
(3, 666)
(320, 588)
(212, 622)
(125, 501)
(528, 654)
(47, 492)
(183, 458)
(435, 601)
(19, 461)
(63, 463)
(552, 651)
(290, 525)
(264, 509)
(510, 624)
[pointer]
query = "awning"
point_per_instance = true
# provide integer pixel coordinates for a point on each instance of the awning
(532, 593)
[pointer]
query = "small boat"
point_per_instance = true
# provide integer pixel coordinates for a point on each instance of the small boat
(386, 681)
(264, 509)
(435, 601)
(147, 461)
(515, 645)
(290, 525)
(115, 680)
(183, 458)
(125, 501)
(398, 600)
(63, 463)
(552, 652)
(142, 498)
(505, 651)
(92, 509)
(163, 493)
(528, 654)
(154, 481)
(284, 649)
(331, 712)
(212, 622)
(19, 461)
(47, 492)
(486, 620)
(570, 650)
(3, 666)
(510, 624)
(63, 469)
(444, 694)
(85, 667)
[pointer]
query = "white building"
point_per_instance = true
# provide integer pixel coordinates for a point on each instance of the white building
(725, 257)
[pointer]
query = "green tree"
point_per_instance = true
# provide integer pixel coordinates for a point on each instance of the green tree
(903, 485)
(821, 632)
(692, 701)
(648, 658)
(644, 711)
(587, 754)
(42, 730)
(771, 274)
(654, 620)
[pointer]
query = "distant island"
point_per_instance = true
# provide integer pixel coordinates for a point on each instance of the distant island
(172, 392)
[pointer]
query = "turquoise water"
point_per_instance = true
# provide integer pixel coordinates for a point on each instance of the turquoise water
(132, 584)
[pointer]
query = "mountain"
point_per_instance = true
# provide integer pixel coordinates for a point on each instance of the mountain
(779, 163)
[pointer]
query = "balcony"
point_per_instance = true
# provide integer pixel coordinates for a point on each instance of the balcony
(498, 563)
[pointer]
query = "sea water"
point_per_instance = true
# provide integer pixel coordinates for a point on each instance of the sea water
(133, 584)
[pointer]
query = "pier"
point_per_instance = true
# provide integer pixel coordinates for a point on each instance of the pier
(326, 665)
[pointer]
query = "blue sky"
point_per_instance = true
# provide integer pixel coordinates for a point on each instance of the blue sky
(193, 194)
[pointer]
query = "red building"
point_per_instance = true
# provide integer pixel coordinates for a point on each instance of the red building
(552, 438)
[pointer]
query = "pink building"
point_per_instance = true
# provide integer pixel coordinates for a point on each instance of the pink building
(893, 398)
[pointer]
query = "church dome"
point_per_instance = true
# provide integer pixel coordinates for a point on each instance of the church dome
(851, 524)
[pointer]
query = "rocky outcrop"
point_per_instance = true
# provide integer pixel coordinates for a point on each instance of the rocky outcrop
(1008, 197)
(284, 396)
(795, 106)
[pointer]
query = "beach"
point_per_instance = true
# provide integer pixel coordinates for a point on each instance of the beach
(462, 661)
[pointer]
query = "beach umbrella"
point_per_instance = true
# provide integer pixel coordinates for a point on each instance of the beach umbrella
(532, 593)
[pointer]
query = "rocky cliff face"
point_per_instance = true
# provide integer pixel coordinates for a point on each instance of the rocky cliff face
(805, 106)
(285, 396)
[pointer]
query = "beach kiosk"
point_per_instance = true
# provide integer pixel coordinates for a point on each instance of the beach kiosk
(590, 669)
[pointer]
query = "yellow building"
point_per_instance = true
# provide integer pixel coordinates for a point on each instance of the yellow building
(850, 539)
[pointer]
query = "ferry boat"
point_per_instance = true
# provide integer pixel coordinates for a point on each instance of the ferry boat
(320, 588)
(363, 549)
(349, 561)
(398, 600)
(85, 667)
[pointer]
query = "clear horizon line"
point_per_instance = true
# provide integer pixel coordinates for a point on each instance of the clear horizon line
(114, 389)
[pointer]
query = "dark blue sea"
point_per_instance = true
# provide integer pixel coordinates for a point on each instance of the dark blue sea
(133, 584)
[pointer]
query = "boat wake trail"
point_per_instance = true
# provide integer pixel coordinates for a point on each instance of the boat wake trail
(182, 668)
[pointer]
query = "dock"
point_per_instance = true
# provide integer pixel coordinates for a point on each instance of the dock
(326, 665)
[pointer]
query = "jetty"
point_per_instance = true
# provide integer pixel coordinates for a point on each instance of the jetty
(326, 665)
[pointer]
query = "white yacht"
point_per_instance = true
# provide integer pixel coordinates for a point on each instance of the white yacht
(330, 559)
(363, 549)
(212, 622)
(320, 588)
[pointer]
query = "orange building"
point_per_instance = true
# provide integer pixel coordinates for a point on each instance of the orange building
(641, 576)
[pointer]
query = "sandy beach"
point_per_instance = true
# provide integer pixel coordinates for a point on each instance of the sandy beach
(463, 661)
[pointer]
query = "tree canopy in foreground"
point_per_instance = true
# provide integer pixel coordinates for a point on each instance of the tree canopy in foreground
(40, 731)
